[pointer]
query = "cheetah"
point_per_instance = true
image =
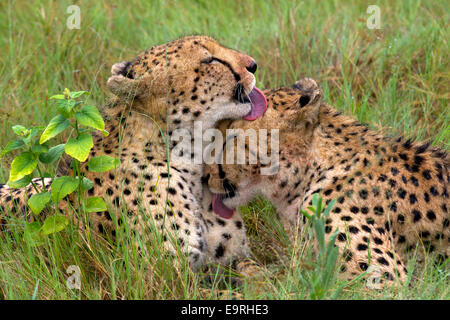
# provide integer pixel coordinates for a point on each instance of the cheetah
(165, 89)
(391, 194)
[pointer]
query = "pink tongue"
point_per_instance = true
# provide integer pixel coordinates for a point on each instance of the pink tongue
(259, 104)
(220, 208)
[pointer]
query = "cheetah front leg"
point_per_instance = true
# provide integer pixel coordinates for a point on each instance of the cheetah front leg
(166, 209)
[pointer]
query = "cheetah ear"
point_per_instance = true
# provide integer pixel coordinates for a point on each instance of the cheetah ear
(122, 68)
(311, 94)
(309, 103)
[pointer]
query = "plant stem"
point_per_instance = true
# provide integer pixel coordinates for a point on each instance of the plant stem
(41, 176)
(35, 187)
(78, 173)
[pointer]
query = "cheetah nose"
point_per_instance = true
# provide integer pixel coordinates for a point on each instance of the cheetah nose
(252, 67)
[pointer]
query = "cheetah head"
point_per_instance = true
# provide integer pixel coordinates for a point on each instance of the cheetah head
(294, 112)
(190, 79)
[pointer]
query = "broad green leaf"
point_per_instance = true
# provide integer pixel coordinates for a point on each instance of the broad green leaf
(39, 148)
(33, 132)
(57, 97)
(32, 234)
(90, 116)
(21, 182)
(12, 145)
(54, 223)
(62, 186)
(95, 204)
(86, 184)
(76, 94)
(65, 107)
(38, 201)
(22, 165)
(102, 163)
(79, 147)
(55, 127)
(52, 154)
(19, 130)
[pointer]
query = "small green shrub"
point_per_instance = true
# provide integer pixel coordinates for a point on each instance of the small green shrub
(322, 279)
(37, 154)
(323, 276)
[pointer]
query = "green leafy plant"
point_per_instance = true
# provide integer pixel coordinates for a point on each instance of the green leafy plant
(37, 154)
(324, 274)
(322, 279)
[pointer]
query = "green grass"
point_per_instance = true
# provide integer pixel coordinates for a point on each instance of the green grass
(396, 79)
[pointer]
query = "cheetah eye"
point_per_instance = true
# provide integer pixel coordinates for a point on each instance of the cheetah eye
(209, 60)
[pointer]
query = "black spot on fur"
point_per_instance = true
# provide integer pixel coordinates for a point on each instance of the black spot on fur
(220, 250)
(417, 215)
